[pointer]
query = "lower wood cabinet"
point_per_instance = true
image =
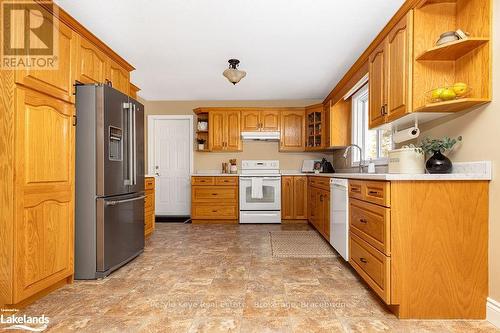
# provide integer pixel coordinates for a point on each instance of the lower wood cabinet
(319, 204)
(422, 246)
(294, 198)
(149, 206)
(214, 199)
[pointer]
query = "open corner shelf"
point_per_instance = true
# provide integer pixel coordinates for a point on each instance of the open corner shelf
(452, 106)
(453, 50)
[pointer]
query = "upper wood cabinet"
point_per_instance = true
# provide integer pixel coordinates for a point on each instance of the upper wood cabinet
(292, 130)
(55, 82)
(92, 63)
(315, 127)
(117, 76)
(259, 120)
(399, 64)
(340, 123)
(224, 130)
(377, 89)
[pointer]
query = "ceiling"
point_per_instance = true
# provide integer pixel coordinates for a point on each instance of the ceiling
(291, 49)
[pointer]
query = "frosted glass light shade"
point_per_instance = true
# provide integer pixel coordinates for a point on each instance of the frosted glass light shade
(234, 75)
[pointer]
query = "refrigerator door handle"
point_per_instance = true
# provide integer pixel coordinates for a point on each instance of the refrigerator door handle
(116, 202)
(130, 157)
(135, 144)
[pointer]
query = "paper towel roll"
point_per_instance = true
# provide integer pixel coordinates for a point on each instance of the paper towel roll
(405, 135)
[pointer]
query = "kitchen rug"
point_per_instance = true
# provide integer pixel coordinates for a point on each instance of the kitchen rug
(300, 244)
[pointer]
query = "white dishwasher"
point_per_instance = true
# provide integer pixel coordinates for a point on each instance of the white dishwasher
(339, 216)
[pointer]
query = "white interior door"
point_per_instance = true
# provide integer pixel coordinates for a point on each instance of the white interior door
(171, 163)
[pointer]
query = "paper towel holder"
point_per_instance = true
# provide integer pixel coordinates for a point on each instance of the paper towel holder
(415, 131)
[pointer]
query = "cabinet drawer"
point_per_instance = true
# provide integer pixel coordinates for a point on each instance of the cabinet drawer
(226, 181)
(210, 211)
(217, 194)
(203, 180)
(149, 183)
(320, 182)
(377, 192)
(372, 223)
(373, 266)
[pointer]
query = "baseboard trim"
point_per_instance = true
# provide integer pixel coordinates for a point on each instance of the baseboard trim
(493, 312)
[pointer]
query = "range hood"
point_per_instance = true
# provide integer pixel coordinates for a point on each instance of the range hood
(263, 136)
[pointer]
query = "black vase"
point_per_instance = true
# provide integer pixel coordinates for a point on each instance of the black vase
(438, 163)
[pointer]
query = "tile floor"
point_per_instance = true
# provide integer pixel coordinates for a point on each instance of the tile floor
(199, 278)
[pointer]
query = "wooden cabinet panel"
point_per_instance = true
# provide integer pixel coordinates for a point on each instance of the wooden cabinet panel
(398, 68)
(250, 121)
(215, 211)
(377, 85)
(287, 202)
(149, 206)
(377, 192)
(117, 76)
(373, 266)
(226, 180)
(202, 180)
(56, 82)
(326, 214)
(216, 130)
(224, 130)
(232, 129)
(269, 120)
(340, 123)
(292, 131)
(372, 223)
(300, 197)
(92, 63)
(214, 194)
(45, 175)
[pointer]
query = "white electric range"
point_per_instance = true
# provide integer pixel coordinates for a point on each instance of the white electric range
(260, 191)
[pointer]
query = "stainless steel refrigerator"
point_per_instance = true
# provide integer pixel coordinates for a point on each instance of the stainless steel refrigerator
(109, 208)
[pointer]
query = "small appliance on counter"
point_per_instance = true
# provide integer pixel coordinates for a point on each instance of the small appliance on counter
(406, 160)
(317, 166)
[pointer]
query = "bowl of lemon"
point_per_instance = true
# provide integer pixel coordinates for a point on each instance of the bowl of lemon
(449, 93)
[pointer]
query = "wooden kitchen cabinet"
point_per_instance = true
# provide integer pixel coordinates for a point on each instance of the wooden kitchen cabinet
(224, 130)
(422, 245)
(149, 206)
(316, 134)
(377, 82)
(266, 120)
(38, 231)
(319, 204)
(37, 157)
(294, 198)
(292, 130)
(117, 76)
(390, 66)
(58, 82)
(92, 63)
(214, 199)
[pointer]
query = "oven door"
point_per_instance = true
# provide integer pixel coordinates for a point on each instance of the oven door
(271, 190)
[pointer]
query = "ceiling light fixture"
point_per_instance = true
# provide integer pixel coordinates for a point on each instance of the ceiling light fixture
(233, 74)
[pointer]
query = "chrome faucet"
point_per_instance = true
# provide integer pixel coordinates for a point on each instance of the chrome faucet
(361, 162)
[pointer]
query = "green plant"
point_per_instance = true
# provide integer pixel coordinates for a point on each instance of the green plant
(433, 145)
(415, 148)
(201, 141)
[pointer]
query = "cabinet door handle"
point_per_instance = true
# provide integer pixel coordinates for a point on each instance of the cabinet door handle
(363, 221)
(214, 193)
(382, 110)
(385, 109)
(373, 192)
(355, 189)
(363, 260)
(214, 211)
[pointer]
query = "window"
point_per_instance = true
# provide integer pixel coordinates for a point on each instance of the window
(375, 143)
